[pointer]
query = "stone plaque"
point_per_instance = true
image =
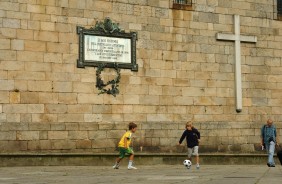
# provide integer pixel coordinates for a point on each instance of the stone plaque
(107, 44)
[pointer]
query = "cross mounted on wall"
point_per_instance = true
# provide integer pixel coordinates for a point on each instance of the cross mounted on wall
(237, 38)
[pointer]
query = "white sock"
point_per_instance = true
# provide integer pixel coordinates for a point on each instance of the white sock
(130, 163)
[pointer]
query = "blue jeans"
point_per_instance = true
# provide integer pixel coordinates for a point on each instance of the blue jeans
(270, 148)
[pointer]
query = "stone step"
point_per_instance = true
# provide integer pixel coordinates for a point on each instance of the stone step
(94, 159)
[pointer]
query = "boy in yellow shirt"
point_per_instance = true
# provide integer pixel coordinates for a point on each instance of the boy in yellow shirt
(124, 148)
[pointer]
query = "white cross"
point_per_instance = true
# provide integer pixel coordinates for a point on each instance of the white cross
(238, 39)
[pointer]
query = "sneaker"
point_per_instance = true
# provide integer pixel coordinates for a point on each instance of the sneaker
(198, 166)
(131, 167)
(116, 166)
(270, 165)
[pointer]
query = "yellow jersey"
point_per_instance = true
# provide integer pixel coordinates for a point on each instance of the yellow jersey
(122, 142)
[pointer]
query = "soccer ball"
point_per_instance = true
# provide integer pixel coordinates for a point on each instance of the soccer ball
(187, 163)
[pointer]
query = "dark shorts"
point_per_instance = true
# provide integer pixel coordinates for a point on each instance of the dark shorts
(124, 152)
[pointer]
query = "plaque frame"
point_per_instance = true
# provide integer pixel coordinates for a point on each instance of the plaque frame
(111, 30)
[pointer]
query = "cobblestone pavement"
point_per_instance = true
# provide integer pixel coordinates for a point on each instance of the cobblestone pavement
(155, 174)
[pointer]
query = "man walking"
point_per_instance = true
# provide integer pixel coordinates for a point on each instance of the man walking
(269, 139)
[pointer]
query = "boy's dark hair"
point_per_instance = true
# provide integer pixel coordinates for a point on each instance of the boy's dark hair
(131, 126)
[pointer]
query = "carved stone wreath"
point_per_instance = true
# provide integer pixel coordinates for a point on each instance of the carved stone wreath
(113, 90)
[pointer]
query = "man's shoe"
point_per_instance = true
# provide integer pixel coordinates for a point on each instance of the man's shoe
(273, 165)
(268, 164)
(198, 166)
(131, 168)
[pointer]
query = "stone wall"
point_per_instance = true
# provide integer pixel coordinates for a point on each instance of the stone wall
(47, 104)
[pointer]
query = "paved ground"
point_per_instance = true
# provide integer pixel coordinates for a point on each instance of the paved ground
(156, 174)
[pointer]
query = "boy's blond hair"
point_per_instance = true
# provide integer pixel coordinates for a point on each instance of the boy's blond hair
(189, 123)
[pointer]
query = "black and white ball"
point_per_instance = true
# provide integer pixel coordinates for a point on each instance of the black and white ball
(187, 163)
